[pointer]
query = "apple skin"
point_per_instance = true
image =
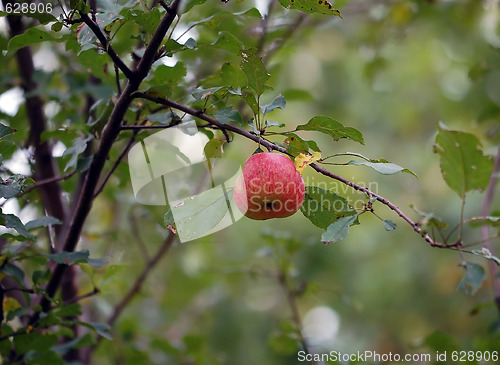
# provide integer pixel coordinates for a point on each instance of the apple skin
(269, 187)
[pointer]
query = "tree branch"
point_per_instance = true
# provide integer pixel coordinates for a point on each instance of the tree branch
(105, 43)
(109, 134)
(271, 146)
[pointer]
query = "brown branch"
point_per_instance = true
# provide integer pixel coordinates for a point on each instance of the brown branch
(271, 146)
(115, 165)
(108, 137)
(105, 43)
(485, 210)
(134, 289)
(291, 297)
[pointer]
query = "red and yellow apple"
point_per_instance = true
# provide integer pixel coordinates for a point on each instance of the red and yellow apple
(269, 187)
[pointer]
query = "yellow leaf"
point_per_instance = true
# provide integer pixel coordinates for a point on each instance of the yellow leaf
(10, 304)
(302, 160)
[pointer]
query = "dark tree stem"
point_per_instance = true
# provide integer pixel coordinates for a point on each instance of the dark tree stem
(109, 134)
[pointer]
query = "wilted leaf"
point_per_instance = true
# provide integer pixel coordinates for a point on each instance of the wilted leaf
(303, 160)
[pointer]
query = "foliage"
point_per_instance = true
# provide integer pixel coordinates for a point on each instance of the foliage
(120, 71)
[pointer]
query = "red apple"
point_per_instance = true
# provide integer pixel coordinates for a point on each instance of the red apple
(269, 187)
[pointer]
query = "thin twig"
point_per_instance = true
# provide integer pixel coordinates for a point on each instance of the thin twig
(109, 49)
(136, 287)
(485, 210)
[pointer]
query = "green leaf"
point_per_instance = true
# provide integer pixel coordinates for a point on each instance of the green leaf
(333, 128)
(34, 342)
(463, 165)
(228, 42)
(5, 130)
(323, 207)
(29, 37)
(213, 148)
(473, 278)
(14, 272)
(42, 222)
(102, 329)
(311, 6)
(76, 343)
(193, 3)
(196, 217)
(338, 231)
(295, 145)
(40, 277)
(202, 94)
(148, 21)
(228, 114)
(385, 168)
(79, 146)
(278, 102)
(70, 310)
(255, 71)
(163, 118)
(71, 258)
(12, 221)
(429, 220)
(389, 225)
(13, 185)
(170, 75)
(232, 76)
(169, 221)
